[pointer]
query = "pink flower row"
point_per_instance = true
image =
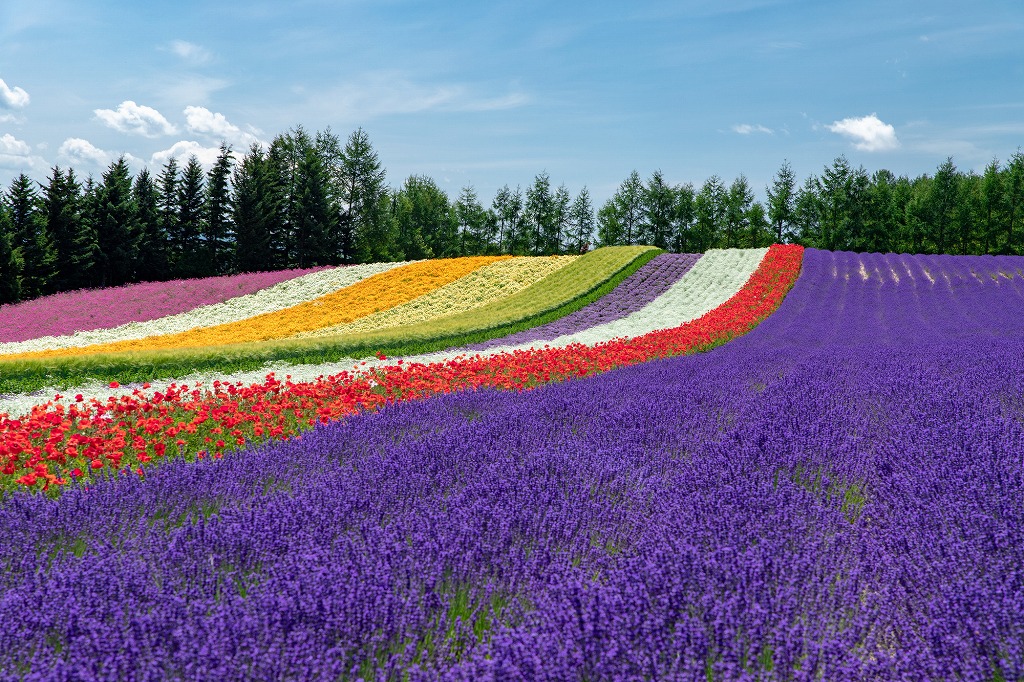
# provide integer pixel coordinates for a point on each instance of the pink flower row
(89, 309)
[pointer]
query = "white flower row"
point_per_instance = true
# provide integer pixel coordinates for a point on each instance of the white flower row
(278, 297)
(716, 277)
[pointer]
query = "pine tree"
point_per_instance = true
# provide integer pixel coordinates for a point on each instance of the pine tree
(1013, 200)
(781, 203)
(31, 238)
(683, 216)
(313, 216)
(629, 204)
(217, 237)
(472, 220)
(10, 267)
(708, 215)
(507, 208)
(360, 186)
(941, 200)
(185, 240)
(580, 231)
(992, 207)
(249, 209)
(75, 243)
(610, 231)
(658, 207)
(117, 228)
(540, 215)
(807, 213)
(152, 264)
(167, 186)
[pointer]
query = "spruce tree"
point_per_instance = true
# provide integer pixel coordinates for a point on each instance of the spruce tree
(683, 215)
(167, 186)
(31, 238)
(658, 199)
(580, 231)
(251, 222)
(185, 241)
(361, 233)
(117, 227)
(781, 203)
(218, 237)
(152, 263)
(74, 240)
(10, 267)
(312, 216)
(540, 215)
(507, 208)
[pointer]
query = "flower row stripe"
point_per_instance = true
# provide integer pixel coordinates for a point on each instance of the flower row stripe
(478, 288)
(58, 442)
(71, 311)
(378, 292)
(280, 296)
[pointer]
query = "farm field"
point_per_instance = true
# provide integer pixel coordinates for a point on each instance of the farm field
(833, 489)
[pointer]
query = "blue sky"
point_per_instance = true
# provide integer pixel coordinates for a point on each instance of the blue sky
(493, 93)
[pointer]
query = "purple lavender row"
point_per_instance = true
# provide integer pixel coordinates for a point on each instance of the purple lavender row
(652, 280)
(836, 495)
(90, 309)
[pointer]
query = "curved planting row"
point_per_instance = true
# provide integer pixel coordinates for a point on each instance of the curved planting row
(561, 292)
(280, 296)
(74, 311)
(74, 437)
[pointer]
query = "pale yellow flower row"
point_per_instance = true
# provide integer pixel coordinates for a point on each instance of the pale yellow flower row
(480, 287)
(371, 295)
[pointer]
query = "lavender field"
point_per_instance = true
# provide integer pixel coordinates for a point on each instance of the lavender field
(837, 495)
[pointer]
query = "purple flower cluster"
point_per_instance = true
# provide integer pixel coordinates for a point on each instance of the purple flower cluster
(838, 495)
(646, 284)
(90, 309)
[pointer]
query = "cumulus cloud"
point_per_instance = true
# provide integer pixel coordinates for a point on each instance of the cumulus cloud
(868, 133)
(17, 154)
(190, 52)
(202, 121)
(75, 150)
(747, 129)
(184, 149)
(136, 119)
(12, 98)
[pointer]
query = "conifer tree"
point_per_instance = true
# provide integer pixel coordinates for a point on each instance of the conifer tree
(362, 233)
(658, 207)
(249, 211)
(217, 227)
(117, 227)
(683, 215)
(781, 203)
(31, 238)
(580, 231)
(185, 241)
(75, 243)
(10, 267)
(312, 216)
(152, 264)
(507, 208)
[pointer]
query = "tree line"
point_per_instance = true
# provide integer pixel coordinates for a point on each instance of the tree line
(308, 199)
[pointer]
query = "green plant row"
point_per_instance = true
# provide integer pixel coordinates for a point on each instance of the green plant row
(562, 293)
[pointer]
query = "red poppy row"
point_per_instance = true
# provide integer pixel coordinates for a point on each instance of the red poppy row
(72, 438)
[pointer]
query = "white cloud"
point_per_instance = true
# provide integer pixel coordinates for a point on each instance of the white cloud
(184, 149)
(202, 121)
(869, 133)
(187, 88)
(136, 119)
(190, 52)
(17, 154)
(12, 98)
(747, 129)
(75, 150)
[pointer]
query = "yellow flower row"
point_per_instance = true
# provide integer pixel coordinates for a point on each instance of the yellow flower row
(478, 288)
(371, 295)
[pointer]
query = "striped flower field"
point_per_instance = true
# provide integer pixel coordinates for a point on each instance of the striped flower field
(747, 464)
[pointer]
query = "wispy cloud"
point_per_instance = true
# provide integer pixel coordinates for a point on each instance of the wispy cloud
(868, 133)
(12, 97)
(136, 119)
(386, 93)
(190, 52)
(747, 129)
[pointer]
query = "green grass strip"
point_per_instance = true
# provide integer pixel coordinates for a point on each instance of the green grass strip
(561, 293)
